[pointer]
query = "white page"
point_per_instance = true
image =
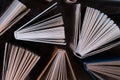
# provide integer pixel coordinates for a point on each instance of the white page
(96, 28)
(48, 24)
(85, 25)
(32, 64)
(16, 64)
(13, 54)
(25, 57)
(59, 43)
(21, 70)
(15, 9)
(108, 63)
(110, 35)
(49, 33)
(104, 72)
(96, 39)
(39, 15)
(20, 16)
(90, 26)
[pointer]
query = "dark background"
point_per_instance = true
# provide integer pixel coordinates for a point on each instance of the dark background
(110, 7)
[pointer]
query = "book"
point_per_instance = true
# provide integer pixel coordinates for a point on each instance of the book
(70, 1)
(50, 30)
(49, 0)
(108, 69)
(58, 68)
(76, 22)
(12, 15)
(18, 62)
(95, 34)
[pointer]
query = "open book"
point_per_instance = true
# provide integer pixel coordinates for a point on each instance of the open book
(104, 70)
(50, 30)
(96, 34)
(12, 15)
(58, 68)
(18, 62)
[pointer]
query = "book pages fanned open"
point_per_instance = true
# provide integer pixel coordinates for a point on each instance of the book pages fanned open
(58, 68)
(18, 62)
(12, 15)
(97, 32)
(50, 30)
(104, 70)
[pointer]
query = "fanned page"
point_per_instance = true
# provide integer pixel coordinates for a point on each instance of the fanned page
(18, 62)
(50, 30)
(105, 69)
(12, 15)
(58, 68)
(77, 24)
(96, 31)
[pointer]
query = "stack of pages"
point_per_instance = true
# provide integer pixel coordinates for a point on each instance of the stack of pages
(50, 30)
(12, 15)
(58, 68)
(96, 34)
(104, 69)
(18, 62)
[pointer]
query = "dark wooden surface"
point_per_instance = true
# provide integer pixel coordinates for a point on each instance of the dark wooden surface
(111, 8)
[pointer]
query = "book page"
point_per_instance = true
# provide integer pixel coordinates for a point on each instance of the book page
(14, 10)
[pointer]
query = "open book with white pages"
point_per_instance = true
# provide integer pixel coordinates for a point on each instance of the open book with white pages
(12, 15)
(50, 30)
(100, 69)
(95, 34)
(58, 68)
(18, 62)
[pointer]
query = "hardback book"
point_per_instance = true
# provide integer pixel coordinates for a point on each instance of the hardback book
(95, 34)
(18, 62)
(49, 30)
(108, 69)
(58, 68)
(12, 15)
